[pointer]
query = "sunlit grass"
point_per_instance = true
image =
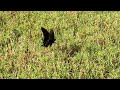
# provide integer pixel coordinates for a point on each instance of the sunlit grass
(87, 45)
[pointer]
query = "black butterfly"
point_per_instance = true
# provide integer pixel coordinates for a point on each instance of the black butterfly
(48, 37)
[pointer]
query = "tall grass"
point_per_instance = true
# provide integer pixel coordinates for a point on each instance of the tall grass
(87, 45)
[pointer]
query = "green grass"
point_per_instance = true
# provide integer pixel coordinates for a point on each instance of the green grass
(87, 45)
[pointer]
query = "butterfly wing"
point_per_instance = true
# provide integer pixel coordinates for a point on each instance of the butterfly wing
(46, 37)
(51, 37)
(45, 33)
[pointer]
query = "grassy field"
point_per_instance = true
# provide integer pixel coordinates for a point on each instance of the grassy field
(87, 45)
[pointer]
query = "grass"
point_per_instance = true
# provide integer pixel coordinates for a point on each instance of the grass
(87, 45)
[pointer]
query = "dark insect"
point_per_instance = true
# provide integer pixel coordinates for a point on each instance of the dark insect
(48, 37)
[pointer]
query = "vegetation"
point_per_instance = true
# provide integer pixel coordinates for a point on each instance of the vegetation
(87, 45)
